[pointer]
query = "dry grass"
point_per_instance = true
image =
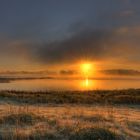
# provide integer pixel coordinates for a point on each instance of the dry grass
(20, 119)
(90, 115)
(69, 122)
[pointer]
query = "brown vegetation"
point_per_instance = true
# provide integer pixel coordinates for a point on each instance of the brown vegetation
(131, 96)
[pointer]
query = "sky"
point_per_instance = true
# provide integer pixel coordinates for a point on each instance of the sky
(60, 34)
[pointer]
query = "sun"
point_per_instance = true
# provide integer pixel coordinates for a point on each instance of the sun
(86, 69)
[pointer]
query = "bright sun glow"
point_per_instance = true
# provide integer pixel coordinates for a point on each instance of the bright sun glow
(86, 69)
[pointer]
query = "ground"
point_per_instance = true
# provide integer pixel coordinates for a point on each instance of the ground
(28, 120)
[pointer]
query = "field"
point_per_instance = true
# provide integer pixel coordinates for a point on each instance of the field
(89, 115)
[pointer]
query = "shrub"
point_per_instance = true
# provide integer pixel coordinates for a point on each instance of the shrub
(94, 134)
(19, 119)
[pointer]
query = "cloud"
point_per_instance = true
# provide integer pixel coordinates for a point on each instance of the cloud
(83, 45)
(127, 13)
(68, 72)
(124, 14)
(27, 72)
(125, 72)
(119, 45)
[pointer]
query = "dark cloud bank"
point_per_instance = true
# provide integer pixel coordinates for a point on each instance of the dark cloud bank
(117, 72)
(68, 72)
(121, 46)
(82, 45)
(125, 72)
(91, 45)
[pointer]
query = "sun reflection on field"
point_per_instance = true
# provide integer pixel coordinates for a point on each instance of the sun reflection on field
(87, 84)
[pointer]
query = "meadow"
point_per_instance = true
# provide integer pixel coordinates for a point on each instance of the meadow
(70, 115)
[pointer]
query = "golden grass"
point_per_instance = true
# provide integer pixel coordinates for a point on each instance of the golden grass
(69, 122)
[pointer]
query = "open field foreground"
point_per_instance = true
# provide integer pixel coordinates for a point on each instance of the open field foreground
(91, 115)
(69, 122)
